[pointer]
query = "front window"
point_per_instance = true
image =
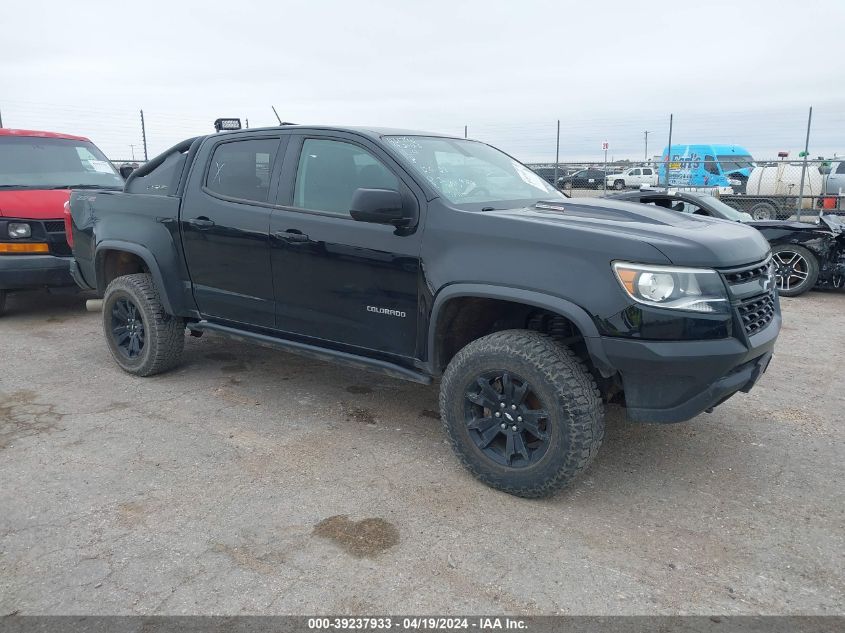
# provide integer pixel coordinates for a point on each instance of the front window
(734, 163)
(330, 171)
(30, 162)
(469, 172)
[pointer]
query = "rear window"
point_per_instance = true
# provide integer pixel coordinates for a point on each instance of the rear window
(29, 162)
(241, 169)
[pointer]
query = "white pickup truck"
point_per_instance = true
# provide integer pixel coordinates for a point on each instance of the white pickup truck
(632, 177)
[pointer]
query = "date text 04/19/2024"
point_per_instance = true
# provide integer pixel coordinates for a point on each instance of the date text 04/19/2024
(429, 623)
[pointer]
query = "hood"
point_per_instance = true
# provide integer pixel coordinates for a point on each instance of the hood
(33, 204)
(686, 240)
(784, 224)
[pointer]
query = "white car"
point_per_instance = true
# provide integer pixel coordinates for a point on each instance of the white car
(632, 178)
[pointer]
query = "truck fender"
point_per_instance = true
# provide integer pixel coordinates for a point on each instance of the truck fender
(560, 306)
(150, 261)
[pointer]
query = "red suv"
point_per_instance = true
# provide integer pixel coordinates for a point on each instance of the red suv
(37, 172)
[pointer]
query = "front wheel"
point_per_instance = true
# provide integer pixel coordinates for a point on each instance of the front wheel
(619, 185)
(796, 269)
(143, 339)
(521, 411)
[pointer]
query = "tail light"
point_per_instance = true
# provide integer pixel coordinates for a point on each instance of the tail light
(68, 224)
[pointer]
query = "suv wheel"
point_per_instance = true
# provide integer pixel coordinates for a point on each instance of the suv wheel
(619, 185)
(522, 413)
(796, 269)
(143, 339)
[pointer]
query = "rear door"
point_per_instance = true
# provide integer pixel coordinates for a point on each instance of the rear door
(336, 279)
(225, 223)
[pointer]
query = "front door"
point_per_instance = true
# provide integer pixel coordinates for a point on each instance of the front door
(225, 221)
(336, 279)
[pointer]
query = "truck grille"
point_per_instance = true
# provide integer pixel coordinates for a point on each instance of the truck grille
(56, 237)
(757, 312)
(748, 274)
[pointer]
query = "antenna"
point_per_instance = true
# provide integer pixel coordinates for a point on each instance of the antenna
(277, 115)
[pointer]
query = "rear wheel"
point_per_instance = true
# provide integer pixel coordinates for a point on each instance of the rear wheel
(522, 413)
(143, 339)
(796, 269)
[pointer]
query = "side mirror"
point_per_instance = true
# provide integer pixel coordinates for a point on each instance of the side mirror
(379, 206)
(125, 170)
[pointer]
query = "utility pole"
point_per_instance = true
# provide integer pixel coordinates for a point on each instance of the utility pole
(1, 119)
(669, 150)
(247, 122)
(144, 134)
(132, 147)
(646, 132)
(557, 152)
(804, 165)
(465, 131)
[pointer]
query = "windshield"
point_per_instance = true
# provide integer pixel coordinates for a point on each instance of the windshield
(30, 162)
(727, 211)
(733, 162)
(466, 172)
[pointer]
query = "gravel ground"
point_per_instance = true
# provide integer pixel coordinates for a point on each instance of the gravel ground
(252, 481)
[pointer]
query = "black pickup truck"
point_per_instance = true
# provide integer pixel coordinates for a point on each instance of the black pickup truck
(430, 257)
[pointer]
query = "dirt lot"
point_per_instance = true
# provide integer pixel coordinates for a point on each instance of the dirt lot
(251, 481)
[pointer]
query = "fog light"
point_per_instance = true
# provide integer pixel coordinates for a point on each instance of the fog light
(19, 230)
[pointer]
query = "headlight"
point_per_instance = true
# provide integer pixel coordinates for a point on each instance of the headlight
(19, 230)
(693, 289)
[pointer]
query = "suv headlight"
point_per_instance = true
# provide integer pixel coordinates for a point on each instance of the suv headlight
(693, 289)
(19, 230)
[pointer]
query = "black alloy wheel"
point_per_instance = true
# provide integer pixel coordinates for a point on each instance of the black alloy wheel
(127, 328)
(506, 419)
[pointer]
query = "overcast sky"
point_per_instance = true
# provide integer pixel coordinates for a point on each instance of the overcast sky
(738, 71)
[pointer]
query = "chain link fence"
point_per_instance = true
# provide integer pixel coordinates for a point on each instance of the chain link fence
(767, 189)
(777, 188)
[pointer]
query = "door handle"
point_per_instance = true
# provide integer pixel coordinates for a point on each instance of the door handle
(291, 235)
(201, 222)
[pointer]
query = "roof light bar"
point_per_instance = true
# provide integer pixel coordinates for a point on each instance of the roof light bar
(227, 124)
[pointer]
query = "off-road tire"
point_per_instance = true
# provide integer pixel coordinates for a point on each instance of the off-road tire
(812, 269)
(164, 333)
(566, 390)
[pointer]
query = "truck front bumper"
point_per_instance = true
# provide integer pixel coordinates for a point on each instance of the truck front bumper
(673, 381)
(18, 272)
